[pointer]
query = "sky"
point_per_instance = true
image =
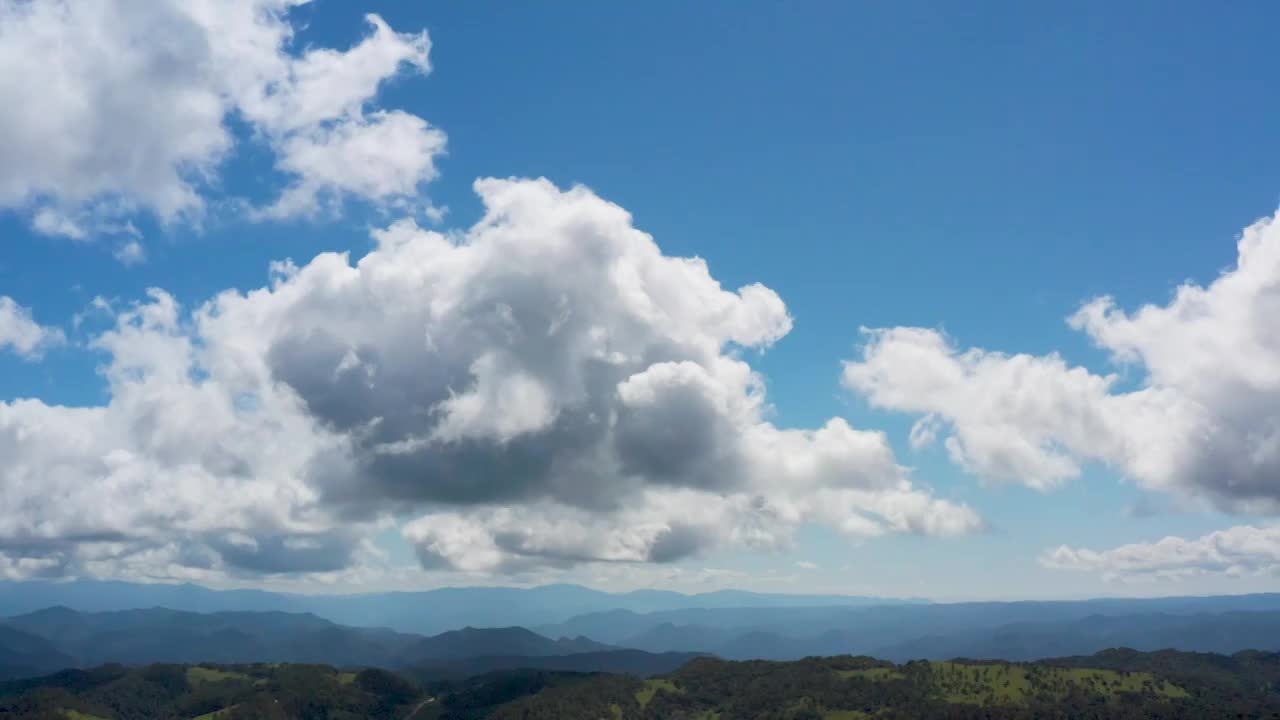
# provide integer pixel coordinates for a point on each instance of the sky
(899, 299)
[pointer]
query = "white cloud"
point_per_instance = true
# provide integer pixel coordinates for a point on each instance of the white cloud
(384, 156)
(131, 252)
(174, 463)
(1236, 551)
(20, 333)
(109, 107)
(596, 396)
(1205, 422)
(128, 108)
(306, 92)
(48, 221)
(544, 389)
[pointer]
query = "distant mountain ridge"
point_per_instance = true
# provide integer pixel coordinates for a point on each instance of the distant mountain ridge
(426, 612)
(54, 638)
(57, 636)
(144, 636)
(1007, 631)
(886, 622)
(509, 641)
(25, 654)
(1222, 633)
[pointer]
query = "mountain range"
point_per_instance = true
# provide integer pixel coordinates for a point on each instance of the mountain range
(56, 638)
(1010, 631)
(615, 639)
(426, 612)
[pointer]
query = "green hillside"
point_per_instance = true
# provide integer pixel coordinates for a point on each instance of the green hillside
(848, 688)
(1118, 684)
(239, 692)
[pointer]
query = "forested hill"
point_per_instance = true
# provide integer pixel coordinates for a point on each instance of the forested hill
(1116, 684)
(232, 692)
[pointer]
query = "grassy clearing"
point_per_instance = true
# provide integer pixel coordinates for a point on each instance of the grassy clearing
(1000, 684)
(215, 714)
(198, 675)
(77, 715)
(981, 684)
(346, 678)
(651, 688)
(876, 673)
(1115, 682)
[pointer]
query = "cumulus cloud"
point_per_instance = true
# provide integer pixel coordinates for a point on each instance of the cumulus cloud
(1205, 421)
(543, 389)
(1236, 551)
(609, 401)
(174, 465)
(20, 333)
(133, 115)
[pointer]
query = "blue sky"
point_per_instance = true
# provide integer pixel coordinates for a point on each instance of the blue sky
(978, 172)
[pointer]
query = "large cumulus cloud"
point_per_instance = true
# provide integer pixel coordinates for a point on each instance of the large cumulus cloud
(1204, 421)
(110, 106)
(543, 389)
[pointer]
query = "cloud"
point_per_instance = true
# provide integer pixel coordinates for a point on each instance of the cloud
(48, 221)
(134, 114)
(384, 156)
(327, 141)
(663, 525)
(1205, 421)
(474, 373)
(20, 333)
(544, 389)
(130, 252)
(174, 468)
(1236, 551)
